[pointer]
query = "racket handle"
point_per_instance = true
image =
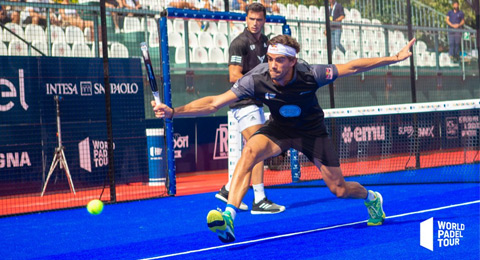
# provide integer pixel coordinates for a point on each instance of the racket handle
(156, 96)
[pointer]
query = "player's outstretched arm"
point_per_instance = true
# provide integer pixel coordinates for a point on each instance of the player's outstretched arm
(366, 64)
(200, 107)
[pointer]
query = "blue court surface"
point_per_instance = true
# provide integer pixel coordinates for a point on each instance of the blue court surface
(316, 225)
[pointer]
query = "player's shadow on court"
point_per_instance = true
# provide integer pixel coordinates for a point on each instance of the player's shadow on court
(306, 203)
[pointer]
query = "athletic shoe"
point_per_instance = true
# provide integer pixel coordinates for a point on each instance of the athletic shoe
(266, 206)
(375, 210)
(222, 225)
(223, 196)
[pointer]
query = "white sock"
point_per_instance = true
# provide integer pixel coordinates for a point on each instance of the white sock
(371, 196)
(232, 211)
(259, 192)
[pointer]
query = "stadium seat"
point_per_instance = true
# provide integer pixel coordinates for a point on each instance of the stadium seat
(282, 9)
(220, 40)
(180, 55)
(277, 29)
(223, 27)
(315, 33)
(100, 50)
(178, 26)
(132, 24)
(57, 34)
(316, 44)
(420, 46)
(267, 29)
(303, 12)
(151, 24)
(42, 46)
(169, 25)
(74, 34)
(192, 40)
(323, 57)
(305, 43)
(7, 36)
(216, 55)
(34, 32)
(315, 57)
(118, 50)
(352, 44)
(61, 49)
(304, 55)
(193, 26)
(356, 17)
(154, 39)
(205, 40)
(292, 12)
(314, 13)
(350, 55)
(444, 60)
(338, 57)
(212, 27)
(347, 14)
(175, 39)
(17, 48)
(81, 50)
(321, 11)
(199, 55)
(3, 49)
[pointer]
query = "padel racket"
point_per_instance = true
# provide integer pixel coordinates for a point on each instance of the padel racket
(149, 68)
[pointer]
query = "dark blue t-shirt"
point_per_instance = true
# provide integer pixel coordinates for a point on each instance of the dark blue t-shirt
(294, 105)
(455, 18)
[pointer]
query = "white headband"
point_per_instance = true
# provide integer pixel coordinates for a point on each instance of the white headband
(279, 48)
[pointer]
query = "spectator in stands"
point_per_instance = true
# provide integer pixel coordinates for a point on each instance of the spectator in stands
(114, 4)
(218, 5)
(131, 4)
(239, 5)
(37, 14)
(3, 16)
(455, 20)
(336, 15)
(271, 6)
(71, 17)
(182, 4)
(12, 13)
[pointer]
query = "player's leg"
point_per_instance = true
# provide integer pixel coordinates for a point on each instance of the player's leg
(261, 205)
(326, 159)
(258, 148)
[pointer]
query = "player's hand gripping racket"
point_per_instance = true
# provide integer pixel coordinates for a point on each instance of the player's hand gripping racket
(149, 68)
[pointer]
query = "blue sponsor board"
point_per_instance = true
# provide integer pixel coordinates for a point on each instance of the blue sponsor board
(200, 144)
(28, 122)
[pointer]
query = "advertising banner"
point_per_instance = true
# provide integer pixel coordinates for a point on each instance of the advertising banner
(29, 87)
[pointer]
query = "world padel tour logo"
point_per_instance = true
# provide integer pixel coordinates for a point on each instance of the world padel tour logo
(93, 148)
(440, 233)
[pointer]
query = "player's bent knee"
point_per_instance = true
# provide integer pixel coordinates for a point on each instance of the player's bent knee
(340, 192)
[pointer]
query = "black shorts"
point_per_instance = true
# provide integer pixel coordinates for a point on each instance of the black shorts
(320, 147)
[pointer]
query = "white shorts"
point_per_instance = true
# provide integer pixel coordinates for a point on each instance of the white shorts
(248, 116)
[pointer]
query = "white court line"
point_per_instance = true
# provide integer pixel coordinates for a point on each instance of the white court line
(307, 231)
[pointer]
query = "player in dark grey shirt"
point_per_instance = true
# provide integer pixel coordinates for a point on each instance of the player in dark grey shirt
(288, 88)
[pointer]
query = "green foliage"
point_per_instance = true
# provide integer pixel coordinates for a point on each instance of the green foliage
(443, 6)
